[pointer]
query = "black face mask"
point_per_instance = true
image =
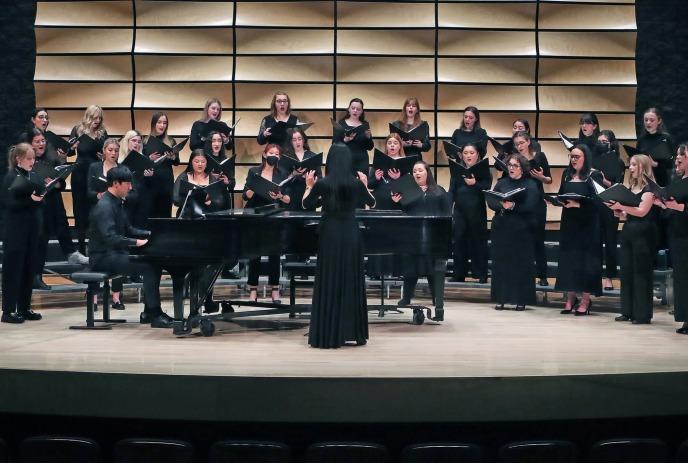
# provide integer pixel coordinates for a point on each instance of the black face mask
(601, 147)
(271, 160)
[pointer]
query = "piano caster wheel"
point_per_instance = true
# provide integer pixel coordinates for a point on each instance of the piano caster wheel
(381, 313)
(207, 327)
(226, 307)
(193, 321)
(418, 316)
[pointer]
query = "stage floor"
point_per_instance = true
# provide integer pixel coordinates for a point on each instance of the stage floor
(478, 365)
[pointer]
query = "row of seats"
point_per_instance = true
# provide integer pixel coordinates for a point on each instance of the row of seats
(54, 449)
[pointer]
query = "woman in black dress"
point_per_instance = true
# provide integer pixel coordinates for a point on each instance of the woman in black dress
(379, 182)
(470, 219)
(408, 120)
(280, 111)
(358, 143)
(40, 120)
(199, 129)
(162, 181)
(23, 223)
(269, 170)
(339, 311)
(655, 138)
(299, 150)
(589, 130)
(580, 238)
(138, 204)
(435, 202)
(519, 125)
(677, 215)
(513, 266)
(469, 131)
(88, 150)
(540, 172)
(605, 158)
(638, 245)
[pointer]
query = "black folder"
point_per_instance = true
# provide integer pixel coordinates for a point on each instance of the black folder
(216, 126)
(494, 198)
(22, 186)
(403, 165)
(659, 152)
(58, 142)
(499, 147)
(609, 164)
(137, 162)
(419, 132)
(500, 164)
(155, 145)
(452, 151)
(359, 131)
(215, 189)
(620, 194)
(560, 199)
(312, 163)
(57, 174)
(262, 187)
(676, 189)
(407, 187)
(480, 169)
(99, 184)
(279, 130)
(226, 166)
(568, 142)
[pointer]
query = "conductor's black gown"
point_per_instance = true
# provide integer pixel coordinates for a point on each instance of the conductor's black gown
(513, 266)
(359, 147)
(339, 312)
(580, 243)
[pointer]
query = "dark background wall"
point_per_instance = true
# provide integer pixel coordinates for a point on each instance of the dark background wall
(662, 50)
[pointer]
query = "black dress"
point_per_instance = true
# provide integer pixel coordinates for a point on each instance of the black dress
(298, 186)
(278, 139)
(412, 150)
(513, 269)
(161, 183)
(470, 226)
(648, 143)
(198, 134)
(359, 147)
(580, 243)
(339, 312)
(478, 136)
(541, 217)
(678, 245)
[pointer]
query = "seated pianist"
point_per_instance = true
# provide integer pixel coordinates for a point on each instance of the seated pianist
(110, 237)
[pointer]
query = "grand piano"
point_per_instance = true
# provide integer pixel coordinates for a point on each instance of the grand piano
(184, 247)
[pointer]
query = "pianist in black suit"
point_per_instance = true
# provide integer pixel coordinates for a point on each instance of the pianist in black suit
(410, 119)
(269, 170)
(163, 177)
(469, 131)
(111, 235)
(358, 143)
(299, 149)
(280, 111)
(434, 202)
(339, 312)
(211, 110)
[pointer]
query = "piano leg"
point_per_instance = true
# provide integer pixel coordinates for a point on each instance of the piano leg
(179, 326)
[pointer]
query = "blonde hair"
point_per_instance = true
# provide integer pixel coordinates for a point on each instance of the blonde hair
(124, 145)
(18, 151)
(110, 141)
(645, 164)
(207, 105)
(397, 137)
(91, 113)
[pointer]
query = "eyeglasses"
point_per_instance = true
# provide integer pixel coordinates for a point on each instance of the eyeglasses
(514, 166)
(281, 101)
(43, 118)
(575, 157)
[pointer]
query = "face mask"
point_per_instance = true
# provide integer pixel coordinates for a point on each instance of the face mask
(601, 147)
(271, 160)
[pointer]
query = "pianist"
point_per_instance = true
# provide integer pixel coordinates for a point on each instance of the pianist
(111, 236)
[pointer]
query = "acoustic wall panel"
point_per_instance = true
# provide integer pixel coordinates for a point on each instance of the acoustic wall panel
(545, 61)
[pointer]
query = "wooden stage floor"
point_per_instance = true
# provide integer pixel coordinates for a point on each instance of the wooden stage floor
(478, 365)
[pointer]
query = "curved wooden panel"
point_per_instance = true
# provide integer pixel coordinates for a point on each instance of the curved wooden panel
(284, 41)
(283, 69)
(183, 68)
(472, 42)
(79, 40)
(76, 95)
(587, 98)
(497, 125)
(586, 16)
(179, 121)
(181, 95)
(487, 15)
(250, 122)
(368, 69)
(583, 71)
(487, 70)
(385, 96)
(93, 14)
(623, 125)
(99, 67)
(307, 14)
(383, 14)
(62, 121)
(557, 154)
(386, 42)
(486, 97)
(589, 43)
(259, 95)
(173, 41)
(163, 13)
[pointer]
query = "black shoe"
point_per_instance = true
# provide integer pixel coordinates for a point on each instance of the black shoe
(362, 342)
(117, 305)
(567, 311)
(403, 302)
(543, 282)
(622, 318)
(520, 308)
(144, 318)
(641, 322)
(211, 307)
(166, 317)
(499, 307)
(161, 321)
(584, 312)
(30, 315)
(439, 315)
(458, 279)
(38, 283)
(11, 317)
(682, 330)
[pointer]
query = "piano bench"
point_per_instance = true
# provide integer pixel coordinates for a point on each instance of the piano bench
(96, 283)
(298, 269)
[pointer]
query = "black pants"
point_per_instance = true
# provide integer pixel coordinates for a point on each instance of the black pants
(610, 233)
(80, 202)
(470, 240)
(539, 236)
(54, 224)
(435, 280)
(638, 247)
(120, 264)
(273, 271)
(20, 252)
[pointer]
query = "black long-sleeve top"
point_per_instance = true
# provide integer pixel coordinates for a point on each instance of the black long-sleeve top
(599, 158)
(278, 176)
(463, 194)
(542, 161)
(359, 147)
(298, 185)
(88, 149)
(19, 203)
(269, 122)
(197, 140)
(163, 175)
(95, 170)
(435, 202)
(110, 231)
(216, 204)
(525, 204)
(412, 150)
(478, 136)
(648, 143)
(678, 221)
(49, 161)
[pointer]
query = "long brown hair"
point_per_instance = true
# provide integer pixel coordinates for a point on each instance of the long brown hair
(273, 109)
(154, 121)
(18, 151)
(207, 105)
(645, 163)
(416, 118)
